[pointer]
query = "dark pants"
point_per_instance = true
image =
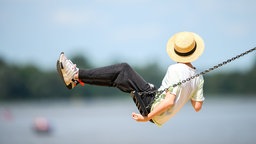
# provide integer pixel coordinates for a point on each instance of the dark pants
(121, 76)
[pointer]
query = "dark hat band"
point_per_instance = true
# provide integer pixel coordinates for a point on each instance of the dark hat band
(187, 53)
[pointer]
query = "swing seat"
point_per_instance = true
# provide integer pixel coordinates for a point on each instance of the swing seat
(139, 100)
(142, 107)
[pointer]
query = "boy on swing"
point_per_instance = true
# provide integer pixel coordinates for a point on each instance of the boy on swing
(183, 48)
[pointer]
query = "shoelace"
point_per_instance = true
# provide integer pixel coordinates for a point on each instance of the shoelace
(70, 68)
(81, 82)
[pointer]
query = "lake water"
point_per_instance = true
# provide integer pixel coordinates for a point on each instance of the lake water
(221, 121)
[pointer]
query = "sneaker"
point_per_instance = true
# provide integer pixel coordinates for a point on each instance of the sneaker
(67, 70)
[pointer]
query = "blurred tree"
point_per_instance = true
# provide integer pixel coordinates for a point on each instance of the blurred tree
(81, 61)
(151, 73)
(232, 82)
(29, 82)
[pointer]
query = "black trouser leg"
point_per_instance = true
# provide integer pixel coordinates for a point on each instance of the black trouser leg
(121, 76)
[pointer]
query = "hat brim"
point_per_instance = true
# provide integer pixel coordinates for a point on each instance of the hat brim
(174, 56)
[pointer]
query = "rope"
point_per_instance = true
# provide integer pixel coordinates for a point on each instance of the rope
(204, 72)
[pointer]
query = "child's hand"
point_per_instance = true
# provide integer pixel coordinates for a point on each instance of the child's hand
(139, 117)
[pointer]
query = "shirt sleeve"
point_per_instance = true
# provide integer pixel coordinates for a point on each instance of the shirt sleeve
(198, 95)
(169, 78)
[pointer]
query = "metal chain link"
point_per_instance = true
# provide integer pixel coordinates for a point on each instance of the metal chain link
(204, 72)
(215, 67)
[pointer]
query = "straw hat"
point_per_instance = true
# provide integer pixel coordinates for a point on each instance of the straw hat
(185, 47)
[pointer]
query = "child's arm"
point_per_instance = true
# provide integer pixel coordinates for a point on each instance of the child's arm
(162, 107)
(197, 105)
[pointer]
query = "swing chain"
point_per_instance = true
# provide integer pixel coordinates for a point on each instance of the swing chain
(215, 67)
(204, 72)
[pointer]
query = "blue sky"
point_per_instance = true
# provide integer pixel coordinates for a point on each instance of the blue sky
(133, 31)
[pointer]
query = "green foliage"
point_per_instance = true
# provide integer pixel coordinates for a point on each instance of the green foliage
(151, 73)
(232, 83)
(29, 82)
